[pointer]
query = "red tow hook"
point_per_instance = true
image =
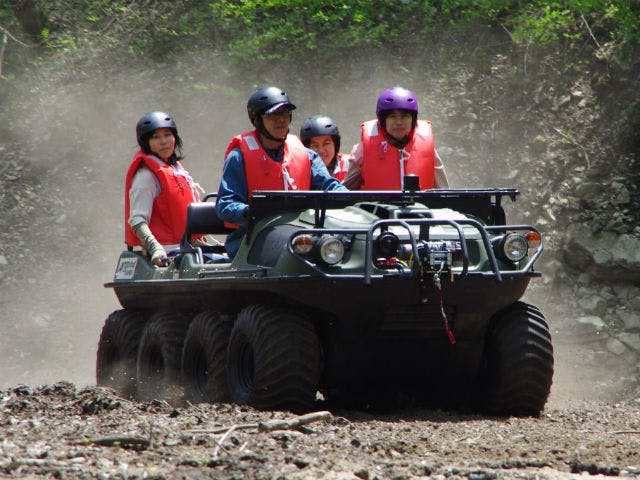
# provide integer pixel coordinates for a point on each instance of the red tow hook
(447, 327)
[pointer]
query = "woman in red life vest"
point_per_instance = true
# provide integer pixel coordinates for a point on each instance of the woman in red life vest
(394, 145)
(320, 133)
(157, 189)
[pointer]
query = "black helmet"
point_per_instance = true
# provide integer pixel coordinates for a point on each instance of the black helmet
(319, 125)
(267, 100)
(151, 122)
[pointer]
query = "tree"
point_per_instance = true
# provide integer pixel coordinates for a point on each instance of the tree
(30, 16)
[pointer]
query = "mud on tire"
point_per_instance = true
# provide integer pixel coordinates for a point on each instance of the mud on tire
(274, 359)
(518, 368)
(204, 358)
(159, 358)
(117, 351)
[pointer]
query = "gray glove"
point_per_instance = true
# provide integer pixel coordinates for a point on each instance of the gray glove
(151, 245)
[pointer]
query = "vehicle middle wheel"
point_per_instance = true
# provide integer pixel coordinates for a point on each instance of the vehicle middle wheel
(159, 357)
(204, 358)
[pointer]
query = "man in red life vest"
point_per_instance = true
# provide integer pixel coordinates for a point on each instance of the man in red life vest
(266, 158)
(157, 189)
(320, 133)
(395, 145)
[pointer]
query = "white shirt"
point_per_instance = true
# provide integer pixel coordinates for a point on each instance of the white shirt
(145, 187)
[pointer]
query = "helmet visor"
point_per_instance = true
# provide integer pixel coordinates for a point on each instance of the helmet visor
(278, 107)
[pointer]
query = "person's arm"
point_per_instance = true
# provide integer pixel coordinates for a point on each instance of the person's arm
(232, 203)
(440, 179)
(151, 245)
(321, 179)
(144, 189)
(353, 179)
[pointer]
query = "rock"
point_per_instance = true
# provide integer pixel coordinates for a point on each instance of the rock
(630, 319)
(621, 195)
(538, 145)
(588, 325)
(615, 346)
(592, 303)
(603, 254)
(563, 101)
(589, 190)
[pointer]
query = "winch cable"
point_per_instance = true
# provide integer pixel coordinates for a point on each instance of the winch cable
(438, 284)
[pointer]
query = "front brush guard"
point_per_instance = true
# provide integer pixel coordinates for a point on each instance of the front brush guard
(416, 263)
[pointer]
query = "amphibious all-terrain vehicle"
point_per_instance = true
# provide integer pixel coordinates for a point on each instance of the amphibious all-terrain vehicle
(353, 295)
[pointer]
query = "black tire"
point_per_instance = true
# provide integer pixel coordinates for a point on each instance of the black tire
(204, 359)
(118, 350)
(159, 357)
(274, 360)
(519, 362)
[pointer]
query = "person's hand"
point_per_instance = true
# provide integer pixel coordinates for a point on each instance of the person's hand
(151, 245)
(160, 261)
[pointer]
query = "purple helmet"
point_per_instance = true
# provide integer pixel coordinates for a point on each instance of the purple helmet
(397, 98)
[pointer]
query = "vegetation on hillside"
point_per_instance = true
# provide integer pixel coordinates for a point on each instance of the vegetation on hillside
(298, 31)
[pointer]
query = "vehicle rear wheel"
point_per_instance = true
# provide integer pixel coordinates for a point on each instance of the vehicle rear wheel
(519, 362)
(204, 358)
(274, 360)
(159, 358)
(117, 351)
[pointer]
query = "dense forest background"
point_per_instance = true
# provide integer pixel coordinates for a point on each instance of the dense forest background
(537, 95)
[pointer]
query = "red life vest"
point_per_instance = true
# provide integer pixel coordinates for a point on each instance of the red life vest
(381, 168)
(264, 173)
(169, 213)
(342, 166)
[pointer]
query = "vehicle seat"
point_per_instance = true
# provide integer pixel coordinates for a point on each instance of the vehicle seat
(202, 218)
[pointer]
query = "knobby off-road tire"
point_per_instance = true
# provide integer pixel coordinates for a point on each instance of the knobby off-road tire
(159, 358)
(118, 350)
(274, 360)
(519, 362)
(204, 358)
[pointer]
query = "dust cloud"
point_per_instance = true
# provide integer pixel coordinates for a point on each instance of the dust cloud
(79, 134)
(80, 137)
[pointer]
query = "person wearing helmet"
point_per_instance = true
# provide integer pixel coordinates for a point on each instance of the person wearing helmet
(157, 189)
(320, 133)
(394, 145)
(266, 158)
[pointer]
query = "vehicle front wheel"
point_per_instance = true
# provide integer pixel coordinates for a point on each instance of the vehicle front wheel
(518, 369)
(274, 359)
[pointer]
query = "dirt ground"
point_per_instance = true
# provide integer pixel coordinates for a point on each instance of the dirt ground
(60, 431)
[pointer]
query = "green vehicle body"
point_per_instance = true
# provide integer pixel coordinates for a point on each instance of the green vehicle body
(422, 303)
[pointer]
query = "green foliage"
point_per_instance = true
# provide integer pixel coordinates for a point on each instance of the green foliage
(313, 31)
(304, 33)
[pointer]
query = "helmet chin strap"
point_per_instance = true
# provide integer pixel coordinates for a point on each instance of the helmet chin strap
(261, 128)
(398, 143)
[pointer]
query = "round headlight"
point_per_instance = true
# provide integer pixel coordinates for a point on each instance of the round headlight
(331, 250)
(514, 247)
